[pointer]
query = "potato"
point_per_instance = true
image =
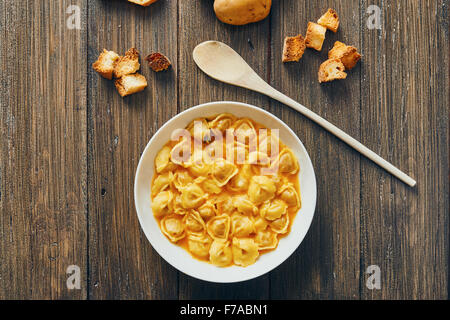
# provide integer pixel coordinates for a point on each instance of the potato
(144, 3)
(240, 12)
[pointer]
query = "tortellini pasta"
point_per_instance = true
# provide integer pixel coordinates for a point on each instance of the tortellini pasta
(245, 251)
(219, 203)
(178, 207)
(220, 253)
(199, 245)
(194, 223)
(173, 227)
(222, 121)
(290, 196)
(199, 169)
(207, 210)
(287, 163)
(209, 185)
(192, 196)
(214, 150)
(266, 240)
(223, 171)
(261, 189)
(273, 210)
(162, 182)
(219, 227)
(200, 130)
(239, 182)
(279, 181)
(244, 205)
(181, 179)
(260, 224)
(258, 158)
(225, 205)
(162, 203)
(162, 161)
(181, 153)
(280, 225)
(238, 151)
(245, 130)
(268, 144)
(242, 226)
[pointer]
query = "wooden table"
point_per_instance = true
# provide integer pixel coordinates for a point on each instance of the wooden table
(70, 146)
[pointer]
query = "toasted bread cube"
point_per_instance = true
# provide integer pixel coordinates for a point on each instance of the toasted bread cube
(144, 3)
(315, 36)
(294, 48)
(158, 62)
(127, 64)
(131, 83)
(347, 54)
(332, 69)
(106, 63)
(330, 20)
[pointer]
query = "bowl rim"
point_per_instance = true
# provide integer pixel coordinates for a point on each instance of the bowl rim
(257, 273)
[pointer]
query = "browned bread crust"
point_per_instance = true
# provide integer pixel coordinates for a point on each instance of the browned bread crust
(315, 36)
(347, 54)
(332, 69)
(106, 63)
(131, 83)
(330, 20)
(158, 62)
(128, 64)
(294, 48)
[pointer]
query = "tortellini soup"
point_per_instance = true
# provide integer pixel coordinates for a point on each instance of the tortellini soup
(226, 190)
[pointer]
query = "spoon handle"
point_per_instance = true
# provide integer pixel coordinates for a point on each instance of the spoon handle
(355, 144)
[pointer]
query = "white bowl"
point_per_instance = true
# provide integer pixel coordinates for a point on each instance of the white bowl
(180, 258)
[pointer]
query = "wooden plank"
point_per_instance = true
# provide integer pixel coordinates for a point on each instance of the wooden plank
(43, 150)
(405, 81)
(326, 266)
(197, 23)
(122, 264)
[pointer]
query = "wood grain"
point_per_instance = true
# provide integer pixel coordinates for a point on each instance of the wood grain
(43, 150)
(405, 116)
(122, 264)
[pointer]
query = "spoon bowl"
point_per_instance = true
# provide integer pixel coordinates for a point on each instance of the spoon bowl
(222, 63)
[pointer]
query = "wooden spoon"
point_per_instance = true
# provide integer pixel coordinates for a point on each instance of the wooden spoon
(222, 63)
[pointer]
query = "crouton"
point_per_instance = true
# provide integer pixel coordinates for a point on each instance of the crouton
(158, 62)
(332, 69)
(144, 3)
(315, 36)
(294, 47)
(106, 63)
(127, 64)
(330, 20)
(131, 83)
(347, 54)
